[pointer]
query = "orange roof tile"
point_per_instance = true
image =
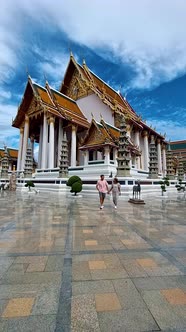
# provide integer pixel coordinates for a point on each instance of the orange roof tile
(12, 153)
(97, 136)
(43, 94)
(70, 108)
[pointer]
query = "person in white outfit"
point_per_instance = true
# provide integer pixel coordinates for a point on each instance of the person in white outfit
(116, 191)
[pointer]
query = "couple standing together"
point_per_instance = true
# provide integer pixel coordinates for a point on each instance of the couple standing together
(103, 188)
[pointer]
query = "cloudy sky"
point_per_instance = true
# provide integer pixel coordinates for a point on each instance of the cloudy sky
(136, 46)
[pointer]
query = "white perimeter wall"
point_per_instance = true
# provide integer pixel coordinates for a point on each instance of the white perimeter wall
(92, 104)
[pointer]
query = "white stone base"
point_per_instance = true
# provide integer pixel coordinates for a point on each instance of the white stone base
(149, 187)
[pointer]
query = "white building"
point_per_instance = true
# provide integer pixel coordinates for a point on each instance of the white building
(89, 111)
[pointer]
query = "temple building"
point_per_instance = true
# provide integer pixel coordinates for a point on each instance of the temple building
(89, 112)
(12, 158)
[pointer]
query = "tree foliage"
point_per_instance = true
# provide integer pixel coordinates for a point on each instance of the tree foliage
(75, 183)
(29, 184)
(164, 184)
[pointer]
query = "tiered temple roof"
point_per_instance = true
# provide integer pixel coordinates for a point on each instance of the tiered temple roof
(101, 133)
(50, 100)
(88, 83)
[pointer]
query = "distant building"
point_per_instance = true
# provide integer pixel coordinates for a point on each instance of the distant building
(179, 149)
(12, 157)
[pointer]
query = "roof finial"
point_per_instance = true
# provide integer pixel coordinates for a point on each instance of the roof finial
(45, 78)
(27, 72)
(84, 63)
(101, 116)
(92, 115)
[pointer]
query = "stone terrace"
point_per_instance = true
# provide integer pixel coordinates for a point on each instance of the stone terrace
(67, 266)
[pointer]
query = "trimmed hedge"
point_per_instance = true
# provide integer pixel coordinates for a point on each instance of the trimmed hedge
(75, 183)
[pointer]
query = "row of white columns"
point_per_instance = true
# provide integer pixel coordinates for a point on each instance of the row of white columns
(46, 154)
(160, 150)
(106, 155)
(24, 132)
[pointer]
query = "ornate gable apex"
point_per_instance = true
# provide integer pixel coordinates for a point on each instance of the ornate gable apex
(96, 136)
(112, 131)
(75, 84)
(93, 126)
(28, 95)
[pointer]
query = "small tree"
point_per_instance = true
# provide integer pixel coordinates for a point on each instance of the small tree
(29, 184)
(164, 183)
(180, 186)
(75, 183)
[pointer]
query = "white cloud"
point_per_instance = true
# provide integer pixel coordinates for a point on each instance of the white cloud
(148, 35)
(174, 130)
(5, 94)
(7, 112)
(54, 68)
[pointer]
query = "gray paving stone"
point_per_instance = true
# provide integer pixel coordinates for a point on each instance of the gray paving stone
(157, 283)
(54, 263)
(38, 323)
(84, 315)
(46, 301)
(162, 311)
(135, 320)
(31, 278)
(128, 294)
(92, 287)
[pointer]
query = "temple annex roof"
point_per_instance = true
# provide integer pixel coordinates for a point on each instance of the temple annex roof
(12, 153)
(101, 134)
(50, 100)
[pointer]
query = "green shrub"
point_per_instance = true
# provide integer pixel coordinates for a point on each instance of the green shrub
(72, 180)
(164, 183)
(75, 183)
(180, 186)
(29, 184)
(76, 188)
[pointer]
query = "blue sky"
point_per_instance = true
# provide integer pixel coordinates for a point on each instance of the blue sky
(136, 46)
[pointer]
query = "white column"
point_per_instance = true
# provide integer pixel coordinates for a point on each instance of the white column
(40, 146)
(20, 150)
(95, 155)
(86, 157)
(115, 154)
(51, 143)
(146, 151)
(25, 141)
(164, 160)
(32, 145)
(44, 142)
(73, 147)
(60, 137)
(128, 128)
(159, 155)
(107, 155)
(137, 143)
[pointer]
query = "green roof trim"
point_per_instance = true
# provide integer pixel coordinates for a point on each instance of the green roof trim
(178, 146)
(112, 127)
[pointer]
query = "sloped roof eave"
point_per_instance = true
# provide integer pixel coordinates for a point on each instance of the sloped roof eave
(92, 146)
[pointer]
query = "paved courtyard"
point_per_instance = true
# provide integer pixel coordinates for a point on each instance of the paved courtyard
(67, 266)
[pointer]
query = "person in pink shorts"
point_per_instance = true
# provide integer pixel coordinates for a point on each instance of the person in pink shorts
(102, 187)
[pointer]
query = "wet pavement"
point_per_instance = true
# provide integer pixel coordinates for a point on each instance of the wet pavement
(65, 265)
